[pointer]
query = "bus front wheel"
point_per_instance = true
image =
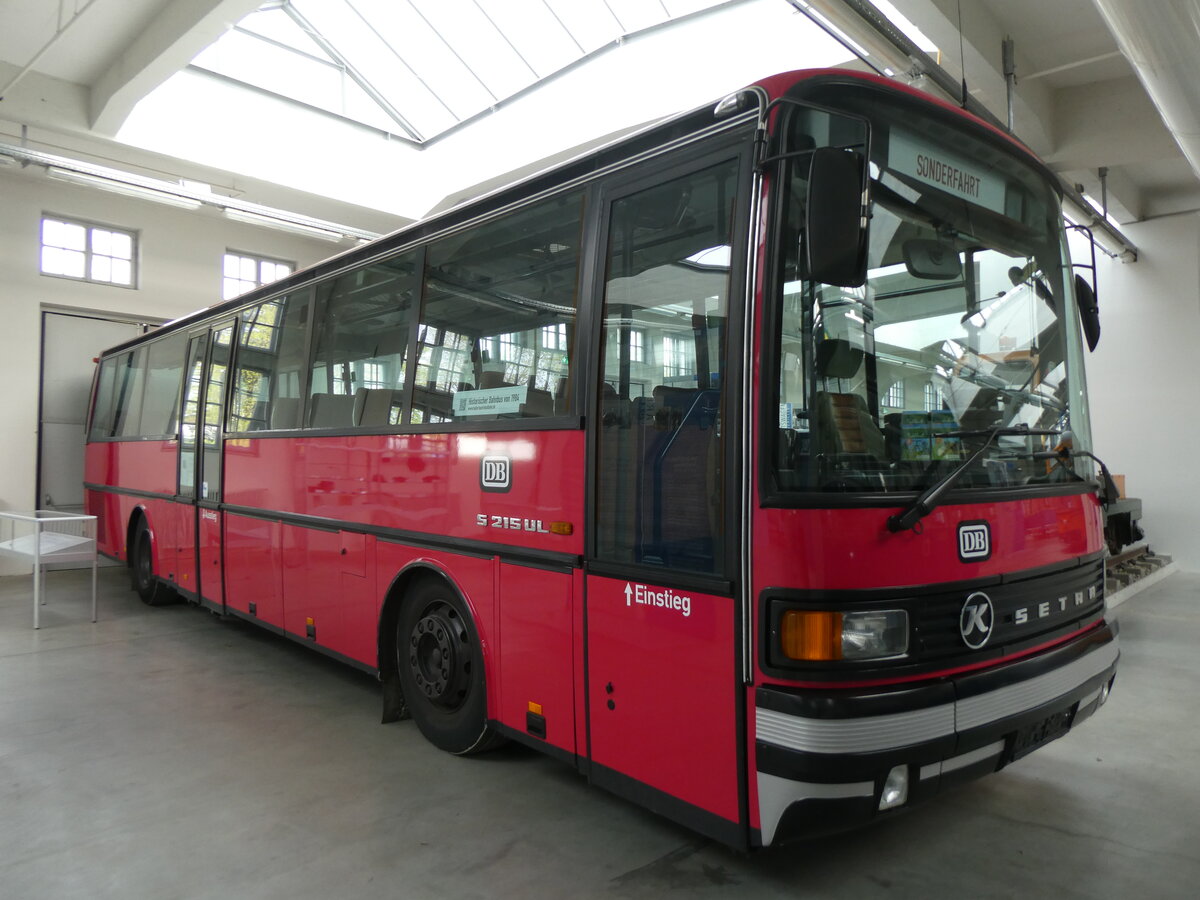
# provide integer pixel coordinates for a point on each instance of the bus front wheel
(441, 669)
(149, 588)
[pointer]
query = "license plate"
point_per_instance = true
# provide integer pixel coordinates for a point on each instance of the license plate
(1029, 738)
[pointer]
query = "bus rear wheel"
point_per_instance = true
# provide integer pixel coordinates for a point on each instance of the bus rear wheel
(441, 670)
(150, 589)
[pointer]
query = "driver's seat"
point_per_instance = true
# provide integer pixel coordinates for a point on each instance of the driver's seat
(842, 422)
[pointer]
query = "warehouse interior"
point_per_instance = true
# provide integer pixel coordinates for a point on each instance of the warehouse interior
(223, 134)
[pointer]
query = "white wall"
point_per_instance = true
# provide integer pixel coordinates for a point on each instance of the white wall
(1143, 380)
(179, 271)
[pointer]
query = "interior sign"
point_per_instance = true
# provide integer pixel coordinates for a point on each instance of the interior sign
(490, 401)
(948, 171)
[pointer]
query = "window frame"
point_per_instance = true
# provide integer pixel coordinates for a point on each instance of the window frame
(678, 162)
(90, 225)
(259, 259)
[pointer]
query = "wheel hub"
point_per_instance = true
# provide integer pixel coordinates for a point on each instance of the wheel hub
(437, 654)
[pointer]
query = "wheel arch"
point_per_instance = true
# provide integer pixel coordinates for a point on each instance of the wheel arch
(137, 518)
(394, 705)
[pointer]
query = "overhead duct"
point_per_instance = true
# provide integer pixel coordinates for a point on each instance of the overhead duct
(1161, 40)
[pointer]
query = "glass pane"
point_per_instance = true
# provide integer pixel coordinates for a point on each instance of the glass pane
(101, 268)
(122, 271)
(102, 241)
(965, 323)
(661, 496)
(160, 405)
(491, 293)
(270, 363)
(361, 346)
(231, 265)
(122, 245)
(232, 287)
(63, 262)
(102, 415)
(64, 234)
(190, 418)
(214, 400)
(131, 385)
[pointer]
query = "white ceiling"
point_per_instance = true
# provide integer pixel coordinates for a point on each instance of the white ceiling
(121, 67)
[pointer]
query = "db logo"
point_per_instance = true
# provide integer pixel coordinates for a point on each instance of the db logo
(495, 473)
(974, 541)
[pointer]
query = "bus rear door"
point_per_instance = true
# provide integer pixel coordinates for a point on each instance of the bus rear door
(200, 451)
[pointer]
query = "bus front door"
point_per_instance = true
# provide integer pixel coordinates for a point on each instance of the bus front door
(662, 614)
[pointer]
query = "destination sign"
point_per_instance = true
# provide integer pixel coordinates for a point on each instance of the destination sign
(948, 171)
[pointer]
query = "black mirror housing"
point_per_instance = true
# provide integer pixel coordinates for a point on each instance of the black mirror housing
(1089, 311)
(835, 218)
(931, 259)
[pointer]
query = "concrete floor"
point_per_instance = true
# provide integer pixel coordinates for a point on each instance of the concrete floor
(164, 753)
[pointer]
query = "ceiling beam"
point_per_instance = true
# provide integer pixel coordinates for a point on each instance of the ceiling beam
(982, 37)
(167, 44)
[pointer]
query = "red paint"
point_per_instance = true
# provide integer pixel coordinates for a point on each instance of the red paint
(661, 689)
(254, 568)
(847, 549)
(419, 483)
(536, 619)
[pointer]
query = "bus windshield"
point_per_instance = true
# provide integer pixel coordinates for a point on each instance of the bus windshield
(966, 323)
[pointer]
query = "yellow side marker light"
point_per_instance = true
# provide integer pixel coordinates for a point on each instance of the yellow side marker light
(535, 708)
(809, 635)
(562, 528)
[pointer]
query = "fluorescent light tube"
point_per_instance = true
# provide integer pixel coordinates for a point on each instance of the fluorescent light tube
(250, 218)
(122, 187)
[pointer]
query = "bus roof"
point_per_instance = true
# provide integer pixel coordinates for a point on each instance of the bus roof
(650, 140)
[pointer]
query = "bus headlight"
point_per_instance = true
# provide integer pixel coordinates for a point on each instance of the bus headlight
(820, 636)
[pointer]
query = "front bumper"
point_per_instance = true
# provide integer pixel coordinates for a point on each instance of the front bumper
(822, 757)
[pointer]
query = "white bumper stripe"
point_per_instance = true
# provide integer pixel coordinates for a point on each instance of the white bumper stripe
(872, 733)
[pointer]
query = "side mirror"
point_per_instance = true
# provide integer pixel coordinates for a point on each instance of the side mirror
(1089, 311)
(835, 218)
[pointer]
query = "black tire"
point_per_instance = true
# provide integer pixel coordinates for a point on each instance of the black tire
(441, 669)
(152, 591)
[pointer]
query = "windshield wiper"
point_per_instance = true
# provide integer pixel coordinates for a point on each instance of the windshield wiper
(1108, 487)
(929, 499)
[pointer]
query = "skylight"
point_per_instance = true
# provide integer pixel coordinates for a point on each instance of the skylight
(418, 68)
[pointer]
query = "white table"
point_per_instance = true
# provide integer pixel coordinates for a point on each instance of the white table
(46, 536)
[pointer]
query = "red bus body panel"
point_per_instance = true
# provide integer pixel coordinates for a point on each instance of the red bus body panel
(661, 690)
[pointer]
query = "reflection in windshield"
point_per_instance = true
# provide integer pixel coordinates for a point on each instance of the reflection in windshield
(965, 325)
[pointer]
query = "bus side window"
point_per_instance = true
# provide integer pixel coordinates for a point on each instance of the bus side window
(360, 356)
(498, 318)
(266, 382)
(661, 468)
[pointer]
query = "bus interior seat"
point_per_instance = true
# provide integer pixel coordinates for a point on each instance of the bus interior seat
(331, 411)
(562, 396)
(285, 412)
(493, 380)
(537, 403)
(373, 406)
(682, 514)
(845, 426)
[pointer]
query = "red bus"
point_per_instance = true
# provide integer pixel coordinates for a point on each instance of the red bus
(741, 464)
